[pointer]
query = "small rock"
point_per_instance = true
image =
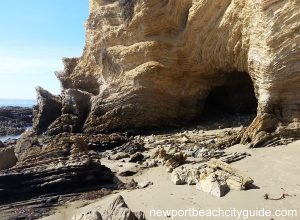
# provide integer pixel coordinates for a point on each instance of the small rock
(128, 170)
(171, 158)
(132, 147)
(120, 156)
(183, 175)
(127, 173)
(145, 184)
(151, 163)
(137, 157)
(52, 200)
(183, 140)
(169, 169)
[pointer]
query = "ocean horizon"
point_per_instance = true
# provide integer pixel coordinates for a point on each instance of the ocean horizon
(18, 102)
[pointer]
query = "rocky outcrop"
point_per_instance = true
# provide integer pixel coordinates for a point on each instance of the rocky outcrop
(148, 64)
(214, 177)
(48, 109)
(14, 120)
(7, 158)
(117, 210)
(63, 165)
(75, 109)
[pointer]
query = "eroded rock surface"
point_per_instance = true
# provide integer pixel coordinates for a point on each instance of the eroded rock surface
(148, 64)
(117, 210)
(48, 109)
(7, 157)
(64, 165)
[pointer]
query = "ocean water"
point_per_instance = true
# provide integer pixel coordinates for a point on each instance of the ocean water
(17, 102)
(4, 138)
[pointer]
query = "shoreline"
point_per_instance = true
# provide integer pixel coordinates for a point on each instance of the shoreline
(14, 120)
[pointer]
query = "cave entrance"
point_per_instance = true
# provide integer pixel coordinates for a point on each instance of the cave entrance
(233, 99)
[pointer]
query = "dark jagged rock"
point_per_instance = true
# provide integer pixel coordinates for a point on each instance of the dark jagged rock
(101, 142)
(2, 145)
(137, 157)
(75, 108)
(132, 147)
(65, 123)
(10, 142)
(76, 102)
(47, 110)
(63, 165)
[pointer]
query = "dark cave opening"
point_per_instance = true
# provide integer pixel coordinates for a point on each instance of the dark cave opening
(233, 99)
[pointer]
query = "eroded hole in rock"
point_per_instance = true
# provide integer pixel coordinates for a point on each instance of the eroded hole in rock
(233, 101)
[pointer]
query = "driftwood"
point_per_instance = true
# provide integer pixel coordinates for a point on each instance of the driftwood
(284, 195)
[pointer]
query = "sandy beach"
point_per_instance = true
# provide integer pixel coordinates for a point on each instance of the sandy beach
(273, 169)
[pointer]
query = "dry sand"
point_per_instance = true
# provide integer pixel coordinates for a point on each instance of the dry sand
(271, 168)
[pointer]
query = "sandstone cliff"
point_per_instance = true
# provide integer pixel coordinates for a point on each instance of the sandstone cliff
(154, 63)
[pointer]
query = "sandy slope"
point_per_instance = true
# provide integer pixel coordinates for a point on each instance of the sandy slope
(271, 169)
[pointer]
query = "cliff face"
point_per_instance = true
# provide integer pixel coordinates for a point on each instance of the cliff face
(152, 63)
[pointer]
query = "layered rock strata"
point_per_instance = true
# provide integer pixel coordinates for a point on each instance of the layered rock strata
(7, 157)
(148, 64)
(63, 165)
